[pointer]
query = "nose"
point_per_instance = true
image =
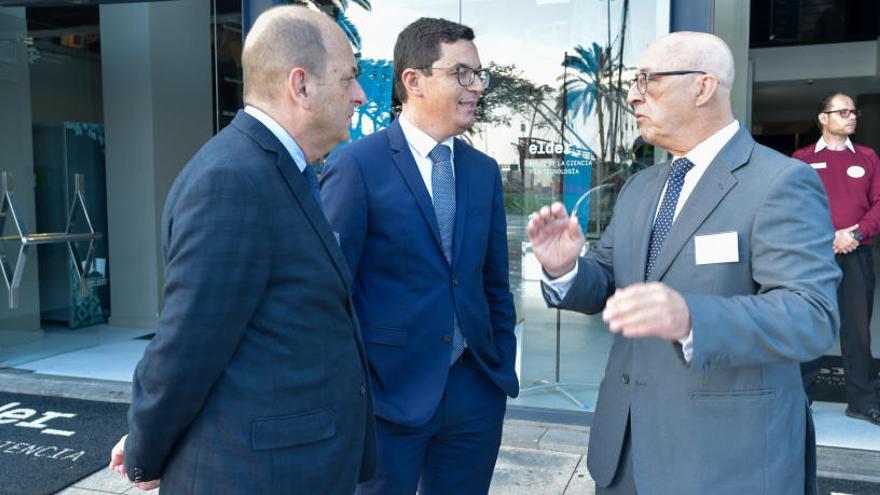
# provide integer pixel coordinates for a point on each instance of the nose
(357, 94)
(633, 95)
(477, 86)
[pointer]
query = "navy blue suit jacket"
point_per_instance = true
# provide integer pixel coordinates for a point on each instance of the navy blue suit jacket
(405, 291)
(256, 380)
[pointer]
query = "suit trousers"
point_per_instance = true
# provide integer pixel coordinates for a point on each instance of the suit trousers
(624, 482)
(856, 302)
(454, 453)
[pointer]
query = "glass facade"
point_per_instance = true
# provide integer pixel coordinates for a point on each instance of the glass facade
(126, 92)
(555, 119)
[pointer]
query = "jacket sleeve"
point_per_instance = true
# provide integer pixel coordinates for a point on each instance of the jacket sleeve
(793, 314)
(496, 279)
(217, 264)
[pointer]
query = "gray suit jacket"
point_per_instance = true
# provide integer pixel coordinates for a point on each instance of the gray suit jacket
(735, 419)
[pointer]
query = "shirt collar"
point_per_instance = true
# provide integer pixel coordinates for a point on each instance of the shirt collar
(420, 142)
(703, 154)
(821, 144)
(275, 128)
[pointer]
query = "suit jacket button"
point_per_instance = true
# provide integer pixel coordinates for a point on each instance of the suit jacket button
(454, 282)
(447, 339)
(138, 475)
(624, 378)
(363, 389)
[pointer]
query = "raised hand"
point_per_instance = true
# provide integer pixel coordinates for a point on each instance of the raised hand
(556, 239)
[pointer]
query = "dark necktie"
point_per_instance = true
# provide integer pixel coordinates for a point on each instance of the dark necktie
(443, 188)
(312, 179)
(666, 213)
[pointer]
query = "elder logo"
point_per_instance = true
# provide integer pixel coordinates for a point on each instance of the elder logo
(11, 414)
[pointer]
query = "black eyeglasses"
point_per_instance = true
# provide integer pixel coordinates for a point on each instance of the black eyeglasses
(466, 75)
(846, 112)
(641, 79)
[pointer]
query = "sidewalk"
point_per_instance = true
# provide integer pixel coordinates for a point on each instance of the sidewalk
(537, 457)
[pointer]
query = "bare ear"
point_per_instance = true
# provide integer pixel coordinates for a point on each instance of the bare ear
(823, 119)
(706, 86)
(297, 80)
(412, 81)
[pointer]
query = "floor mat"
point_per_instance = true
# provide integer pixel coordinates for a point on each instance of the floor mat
(48, 443)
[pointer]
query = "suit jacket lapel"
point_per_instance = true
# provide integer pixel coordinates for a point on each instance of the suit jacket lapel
(713, 186)
(405, 162)
(461, 197)
(297, 184)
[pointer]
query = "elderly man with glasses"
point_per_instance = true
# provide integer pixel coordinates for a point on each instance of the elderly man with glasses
(851, 175)
(421, 222)
(716, 278)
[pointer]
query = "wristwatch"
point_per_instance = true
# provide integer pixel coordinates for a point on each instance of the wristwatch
(857, 235)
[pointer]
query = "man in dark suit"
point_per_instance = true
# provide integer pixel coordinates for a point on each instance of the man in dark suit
(256, 380)
(716, 276)
(421, 221)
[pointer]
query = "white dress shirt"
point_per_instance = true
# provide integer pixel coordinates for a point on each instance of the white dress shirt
(701, 156)
(822, 144)
(420, 144)
(286, 139)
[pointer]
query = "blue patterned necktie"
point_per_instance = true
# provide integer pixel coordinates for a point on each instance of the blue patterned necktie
(312, 179)
(666, 213)
(443, 187)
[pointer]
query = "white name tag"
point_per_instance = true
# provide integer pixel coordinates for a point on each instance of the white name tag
(818, 165)
(716, 248)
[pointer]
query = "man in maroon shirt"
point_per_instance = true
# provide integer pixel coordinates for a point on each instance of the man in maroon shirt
(851, 175)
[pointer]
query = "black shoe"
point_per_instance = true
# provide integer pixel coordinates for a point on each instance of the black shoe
(871, 415)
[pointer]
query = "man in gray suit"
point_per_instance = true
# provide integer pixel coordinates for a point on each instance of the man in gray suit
(717, 277)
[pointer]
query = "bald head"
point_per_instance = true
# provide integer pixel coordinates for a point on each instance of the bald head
(685, 95)
(697, 51)
(283, 38)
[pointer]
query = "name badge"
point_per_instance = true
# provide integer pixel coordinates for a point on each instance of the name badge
(818, 165)
(716, 248)
(855, 171)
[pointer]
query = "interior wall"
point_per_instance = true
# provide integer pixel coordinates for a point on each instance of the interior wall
(17, 159)
(156, 67)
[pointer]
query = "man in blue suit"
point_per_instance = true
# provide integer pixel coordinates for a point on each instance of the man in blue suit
(421, 222)
(256, 380)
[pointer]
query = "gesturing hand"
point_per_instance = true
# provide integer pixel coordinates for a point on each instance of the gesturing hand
(556, 239)
(648, 310)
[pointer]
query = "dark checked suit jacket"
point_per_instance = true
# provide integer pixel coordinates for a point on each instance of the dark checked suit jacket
(256, 379)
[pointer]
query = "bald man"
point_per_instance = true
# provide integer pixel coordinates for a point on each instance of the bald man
(716, 277)
(256, 381)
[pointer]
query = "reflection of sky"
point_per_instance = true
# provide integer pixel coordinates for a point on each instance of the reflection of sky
(531, 34)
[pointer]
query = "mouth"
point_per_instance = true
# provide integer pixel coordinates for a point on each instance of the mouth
(640, 117)
(468, 105)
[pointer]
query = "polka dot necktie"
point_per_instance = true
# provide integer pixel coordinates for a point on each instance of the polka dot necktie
(666, 213)
(443, 189)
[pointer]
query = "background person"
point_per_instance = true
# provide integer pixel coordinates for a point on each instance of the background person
(851, 176)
